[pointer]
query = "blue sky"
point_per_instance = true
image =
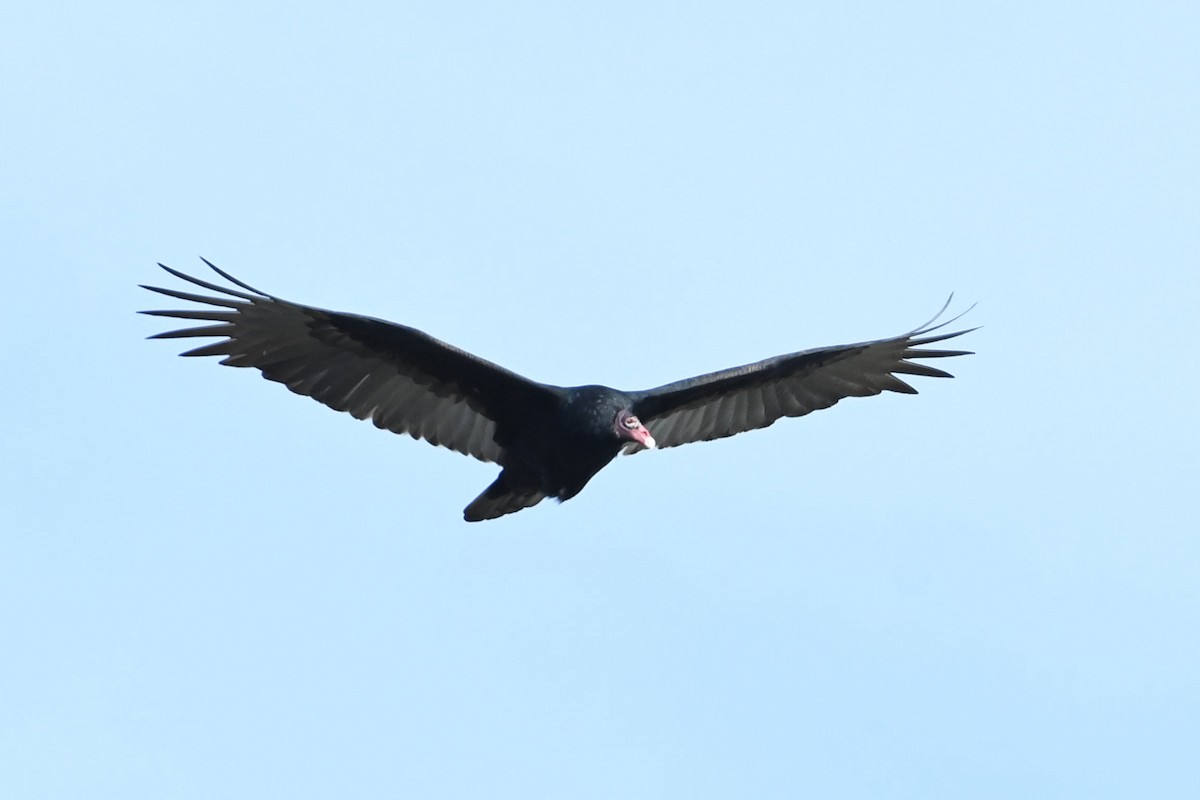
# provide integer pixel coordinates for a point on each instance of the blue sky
(210, 587)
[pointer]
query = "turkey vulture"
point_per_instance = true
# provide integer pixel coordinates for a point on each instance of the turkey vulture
(549, 440)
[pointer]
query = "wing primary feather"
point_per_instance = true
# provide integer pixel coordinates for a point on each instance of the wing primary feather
(929, 326)
(939, 338)
(216, 316)
(234, 280)
(217, 349)
(194, 298)
(205, 330)
(911, 353)
(913, 368)
(893, 384)
(940, 311)
(205, 284)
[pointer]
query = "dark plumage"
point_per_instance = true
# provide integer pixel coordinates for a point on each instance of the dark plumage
(550, 440)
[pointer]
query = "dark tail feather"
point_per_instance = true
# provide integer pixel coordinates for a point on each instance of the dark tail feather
(501, 498)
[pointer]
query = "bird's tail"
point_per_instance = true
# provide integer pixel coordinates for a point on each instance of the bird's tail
(501, 498)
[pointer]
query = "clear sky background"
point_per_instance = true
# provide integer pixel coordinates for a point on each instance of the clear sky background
(212, 588)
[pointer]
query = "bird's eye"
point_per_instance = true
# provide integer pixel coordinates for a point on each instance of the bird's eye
(632, 422)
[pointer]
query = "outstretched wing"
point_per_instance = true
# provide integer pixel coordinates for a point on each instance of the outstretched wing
(401, 379)
(755, 395)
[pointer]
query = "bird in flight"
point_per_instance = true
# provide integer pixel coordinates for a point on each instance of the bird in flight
(548, 440)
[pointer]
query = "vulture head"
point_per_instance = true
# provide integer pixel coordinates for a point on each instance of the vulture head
(628, 427)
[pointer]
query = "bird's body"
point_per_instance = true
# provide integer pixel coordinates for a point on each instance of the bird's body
(550, 440)
(559, 454)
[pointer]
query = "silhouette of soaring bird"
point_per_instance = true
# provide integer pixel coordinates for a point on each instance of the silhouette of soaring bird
(549, 440)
